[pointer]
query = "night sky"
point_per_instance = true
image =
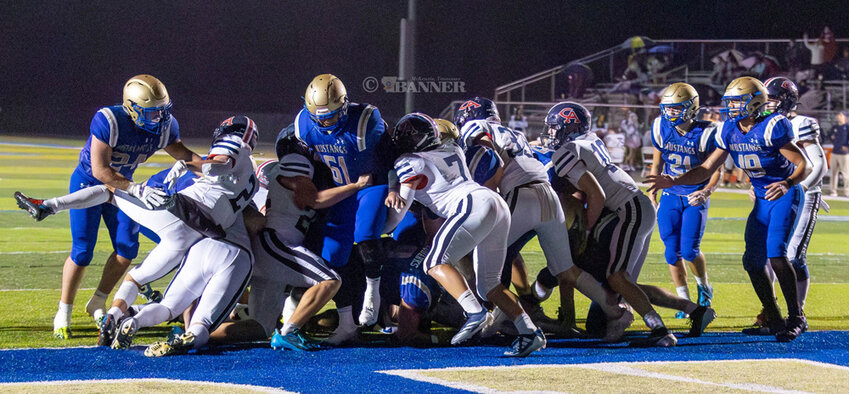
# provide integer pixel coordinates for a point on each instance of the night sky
(61, 60)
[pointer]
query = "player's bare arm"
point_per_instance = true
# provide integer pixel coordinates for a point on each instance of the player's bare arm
(595, 198)
(180, 152)
(101, 156)
(776, 190)
(328, 198)
(695, 175)
(656, 164)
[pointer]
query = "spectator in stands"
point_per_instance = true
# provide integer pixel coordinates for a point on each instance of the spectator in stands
(817, 49)
(829, 44)
(842, 64)
(797, 58)
(840, 153)
(518, 120)
(630, 128)
(615, 142)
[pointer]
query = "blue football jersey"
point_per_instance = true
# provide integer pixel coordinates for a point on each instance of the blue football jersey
(130, 145)
(483, 163)
(544, 155)
(680, 153)
(757, 152)
(349, 150)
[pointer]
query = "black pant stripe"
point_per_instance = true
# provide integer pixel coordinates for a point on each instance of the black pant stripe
(224, 313)
(446, 233)
(267, 238)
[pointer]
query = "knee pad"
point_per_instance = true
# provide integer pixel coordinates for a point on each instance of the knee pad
(801, 268)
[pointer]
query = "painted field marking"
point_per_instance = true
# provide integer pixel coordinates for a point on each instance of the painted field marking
(263, 389)
(620, 368)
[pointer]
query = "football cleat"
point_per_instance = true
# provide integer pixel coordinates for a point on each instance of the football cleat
(699, 320)
(368, 315)
(147, 292)
(178, 345)
(295, 340)
(108, 327)
(497, 323)
(705, 294)
(62, 332)
(681, 315)
(474, 324)
(795, 327)
(659, 337)
(126, 331)
(35, 207)
(615, 330)
(526, 344)
(174, 333)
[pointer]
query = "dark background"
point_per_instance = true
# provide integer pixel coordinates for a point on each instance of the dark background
(62, 60)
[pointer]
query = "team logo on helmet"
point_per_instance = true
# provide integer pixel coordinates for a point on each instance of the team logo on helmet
(568, 114)
(469, 105)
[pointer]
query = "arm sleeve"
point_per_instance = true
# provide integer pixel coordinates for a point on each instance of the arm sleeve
(568, 164)
(816, 157)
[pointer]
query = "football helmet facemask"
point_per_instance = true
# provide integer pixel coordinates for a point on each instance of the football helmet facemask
(679, 103)
(744, 97)
(565, 122)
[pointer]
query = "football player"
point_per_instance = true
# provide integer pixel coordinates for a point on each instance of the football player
(477, 219)
(783, 98)
(122, 137)
(533, 204)
(583, 160)
(205, 208)
(762, 145)
(281, 259)
(344, 136)
(680, 143)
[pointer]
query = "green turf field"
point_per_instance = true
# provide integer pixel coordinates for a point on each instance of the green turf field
(32, 254)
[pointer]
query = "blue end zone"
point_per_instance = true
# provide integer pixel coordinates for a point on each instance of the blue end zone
(353, 370)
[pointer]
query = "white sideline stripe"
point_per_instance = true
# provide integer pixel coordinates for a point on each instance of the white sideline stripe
(33, 252)
(619, 368)
(86, 289)
(152, 380)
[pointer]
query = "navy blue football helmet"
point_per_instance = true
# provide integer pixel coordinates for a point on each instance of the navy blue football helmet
(566, 121)
(783, 95)
(476, 108)
(287, 142)
(239, 125)
(415, 132)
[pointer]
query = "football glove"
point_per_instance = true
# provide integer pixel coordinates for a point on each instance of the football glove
(151, 197)
(177, 170)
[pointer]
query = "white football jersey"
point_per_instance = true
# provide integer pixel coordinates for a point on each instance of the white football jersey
(224, 196)
(806, 128)
(444, 175)
(281, 213)
(520, 165)
(588, 153)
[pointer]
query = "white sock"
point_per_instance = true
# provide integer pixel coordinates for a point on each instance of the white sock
(116, 313)
(201, 334)
(702, 281)
(590, 287)
(524, 324)
(802, 291)
(83, 198)
(63, 315)
(683, 292)
(289, 308)
(346, 319)
(373, 290)
(539, 290)
(287, 328)
(653, 320)
(128, 291)
(469, 303)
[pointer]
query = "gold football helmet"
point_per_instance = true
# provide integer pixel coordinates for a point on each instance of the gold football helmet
(744, 97)
(447, 130)
(679, 103)
(147, 103)
(326, 100)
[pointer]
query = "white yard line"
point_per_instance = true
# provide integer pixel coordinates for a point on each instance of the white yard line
(152, 380)
(621, 368)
